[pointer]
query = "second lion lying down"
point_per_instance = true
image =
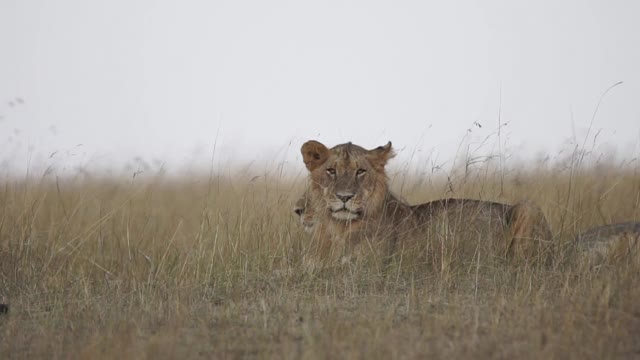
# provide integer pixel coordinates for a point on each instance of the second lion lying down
(348, 200)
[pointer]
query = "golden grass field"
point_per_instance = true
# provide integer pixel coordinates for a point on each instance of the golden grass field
(214, 267)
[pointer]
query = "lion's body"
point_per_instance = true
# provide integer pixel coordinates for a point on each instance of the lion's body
(609, 243)
(349, 201)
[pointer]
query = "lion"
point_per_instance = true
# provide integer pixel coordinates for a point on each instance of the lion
(349, 201)
(304, 211)
(609, 243)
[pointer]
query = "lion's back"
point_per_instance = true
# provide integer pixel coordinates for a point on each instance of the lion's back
(466, 211)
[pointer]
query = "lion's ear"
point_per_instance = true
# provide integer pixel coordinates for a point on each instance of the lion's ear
(380, 155)
(314, 154)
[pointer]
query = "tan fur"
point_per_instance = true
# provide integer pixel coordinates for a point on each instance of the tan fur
(304, 211)
(529, 232)
(348, 201)
(609, 243)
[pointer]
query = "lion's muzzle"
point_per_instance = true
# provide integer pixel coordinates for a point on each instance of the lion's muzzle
(343, 208)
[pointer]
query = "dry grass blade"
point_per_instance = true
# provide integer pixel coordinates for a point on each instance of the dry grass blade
(219, 268)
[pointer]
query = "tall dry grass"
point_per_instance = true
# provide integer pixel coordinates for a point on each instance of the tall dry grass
(214, 266)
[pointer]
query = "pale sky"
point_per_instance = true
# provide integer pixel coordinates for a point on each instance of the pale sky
(157, 80)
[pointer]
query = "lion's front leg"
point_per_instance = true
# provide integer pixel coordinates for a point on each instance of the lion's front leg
(348, 250)
(391, 246)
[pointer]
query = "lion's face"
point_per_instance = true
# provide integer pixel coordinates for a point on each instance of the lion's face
(347, 180)
(303, 209)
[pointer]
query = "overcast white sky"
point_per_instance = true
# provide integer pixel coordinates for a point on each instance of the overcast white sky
(159, 79)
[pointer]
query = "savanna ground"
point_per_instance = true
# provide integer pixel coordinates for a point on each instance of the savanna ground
(213, 267)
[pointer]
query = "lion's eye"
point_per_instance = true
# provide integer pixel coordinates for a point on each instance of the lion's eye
(360, 172)
(331, 172)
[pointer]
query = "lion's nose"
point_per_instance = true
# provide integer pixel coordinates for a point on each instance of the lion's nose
(344, 196)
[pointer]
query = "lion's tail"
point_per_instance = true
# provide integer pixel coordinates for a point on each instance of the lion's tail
(529, 236)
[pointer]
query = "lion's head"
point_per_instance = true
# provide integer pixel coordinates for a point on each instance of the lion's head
(348, 182)
(303, 209)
